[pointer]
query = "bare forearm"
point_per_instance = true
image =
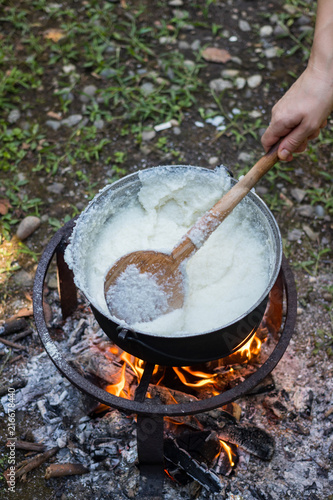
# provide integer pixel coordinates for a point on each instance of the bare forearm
(321, 58)
(300, 114)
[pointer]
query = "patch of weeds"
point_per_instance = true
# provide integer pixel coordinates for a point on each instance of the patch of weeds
(239, 125)
(311, 265)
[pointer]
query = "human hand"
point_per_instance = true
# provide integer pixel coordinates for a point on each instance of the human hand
(300, 114)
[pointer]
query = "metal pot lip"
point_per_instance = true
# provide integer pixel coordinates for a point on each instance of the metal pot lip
(254, 197)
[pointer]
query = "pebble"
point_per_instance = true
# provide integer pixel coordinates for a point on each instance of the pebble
(266, 30)
(72, 120)
(305, 210)
(55, 188)
(298, 194)
(219, 85)
(216, 120)
(27, 226)
(165, 40)
(196, 45)
(148, 135)
(53, 124)
(183, 45)
(147, 88)
(319, 211)
(14, 116)
(244, 25)
(189, 64)
(245, 157)
(280, 30)
(176, 130)
(294, 235)
(230, 73)
(271, 52)
(108, 72)
(213, 161)
(23, 279)
(310, 234)
(88, 93)
(68, 68)
(99, 124)
(240, 82)
(254, 81)
(67, 95)
(176, 3)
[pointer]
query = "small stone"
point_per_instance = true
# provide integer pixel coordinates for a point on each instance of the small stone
(319, 211)
(68, 68)
(294, 235)
(255, 114)
(216, 121)
(53, 124)
(14, 116)
(303, 20)
(55, 188)
(219, 85)
(311, 234)
(254, 81)
(213, 161)
(165, 40)
(189, 64)
(147, 88)
(148, 135)
(182, 45)
(327, 296)
(108, 72)
(280, 30)
(230, 73)
(261, 190)
(99, 124)
(195, 45)
(66, 94)
(88, 93)
(245, 157)
(240, 82)
(23, 279)
(72, 120)
(244, 25)
(27, 226)
(176, 3)
(52, 282)
(266, 30)
(298, 194)
(271, 52)
(305, 210)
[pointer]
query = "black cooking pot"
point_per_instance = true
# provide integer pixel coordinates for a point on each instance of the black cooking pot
(181, 349)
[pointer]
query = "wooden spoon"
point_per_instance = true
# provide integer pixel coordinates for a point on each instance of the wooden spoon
(165, 271)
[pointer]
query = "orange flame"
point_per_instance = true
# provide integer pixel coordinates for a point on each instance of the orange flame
(117, 389)
(228, 450)
(205, 377)
(251, 348)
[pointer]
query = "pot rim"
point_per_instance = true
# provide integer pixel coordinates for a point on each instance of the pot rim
(260, 204)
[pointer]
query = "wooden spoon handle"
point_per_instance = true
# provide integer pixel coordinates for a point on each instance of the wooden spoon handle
(204, 227)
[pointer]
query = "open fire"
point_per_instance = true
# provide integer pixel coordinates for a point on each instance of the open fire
(176, 384)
